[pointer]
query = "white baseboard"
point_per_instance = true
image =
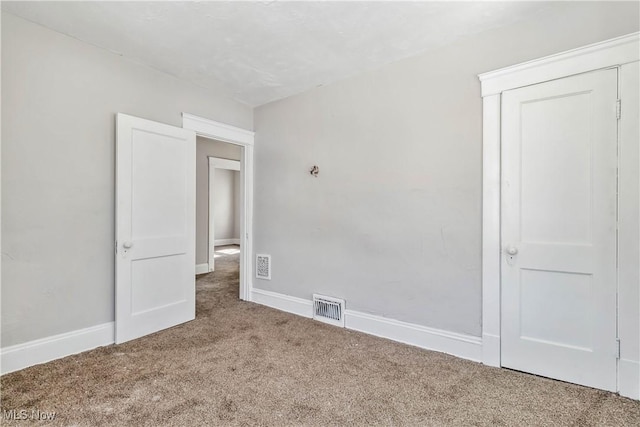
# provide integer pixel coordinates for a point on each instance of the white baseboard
(460, 345)
(299, 306)
(31, 353)
(202, 268)
(224, 242)
(629, 378)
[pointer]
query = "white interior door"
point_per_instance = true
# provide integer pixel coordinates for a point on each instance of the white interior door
(155, 227)
(559, 163)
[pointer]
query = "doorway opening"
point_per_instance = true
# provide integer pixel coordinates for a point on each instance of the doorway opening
(156, 232)
(224, 159)
(218, 219)
(223, 198)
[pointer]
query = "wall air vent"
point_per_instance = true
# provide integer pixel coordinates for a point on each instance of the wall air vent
(328, 310)
(263, 266)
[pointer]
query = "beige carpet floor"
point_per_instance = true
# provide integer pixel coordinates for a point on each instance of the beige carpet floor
(240, 363)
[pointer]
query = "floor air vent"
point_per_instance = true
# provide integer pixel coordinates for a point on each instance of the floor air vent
(263, 266)
(328, 310)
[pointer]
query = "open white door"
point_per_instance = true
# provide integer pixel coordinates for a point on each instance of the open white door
(155, 227)
(559, 162)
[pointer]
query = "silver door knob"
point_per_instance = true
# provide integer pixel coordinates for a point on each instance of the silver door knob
(127, 245)
(512, 250)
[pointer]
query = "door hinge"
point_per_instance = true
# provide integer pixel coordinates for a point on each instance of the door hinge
(617, 348)
(618, 108)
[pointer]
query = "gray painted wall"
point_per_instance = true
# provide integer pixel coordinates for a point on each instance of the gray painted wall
(59, 100)
(206, 148)
(393, 222)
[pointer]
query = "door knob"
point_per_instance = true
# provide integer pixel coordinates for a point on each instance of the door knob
(512, 250)
(127, 245)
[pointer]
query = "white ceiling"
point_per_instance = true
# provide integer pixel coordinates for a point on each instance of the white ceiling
(264, 51)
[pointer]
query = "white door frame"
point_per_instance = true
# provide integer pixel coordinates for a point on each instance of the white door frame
(216, 163)
(611, 53)
(226, 133)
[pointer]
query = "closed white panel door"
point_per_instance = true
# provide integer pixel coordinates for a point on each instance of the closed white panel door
(155, 227)
(559, 163)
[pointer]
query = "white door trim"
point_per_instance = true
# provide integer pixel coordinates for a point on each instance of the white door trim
(219, 163)
(216, 130)
(606, 54)
(223, 132)
(216, 163)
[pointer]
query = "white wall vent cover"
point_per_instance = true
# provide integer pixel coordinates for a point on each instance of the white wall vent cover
(328, 310)
(263, 266)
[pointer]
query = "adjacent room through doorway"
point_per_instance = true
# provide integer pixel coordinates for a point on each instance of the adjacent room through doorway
(218, 218)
